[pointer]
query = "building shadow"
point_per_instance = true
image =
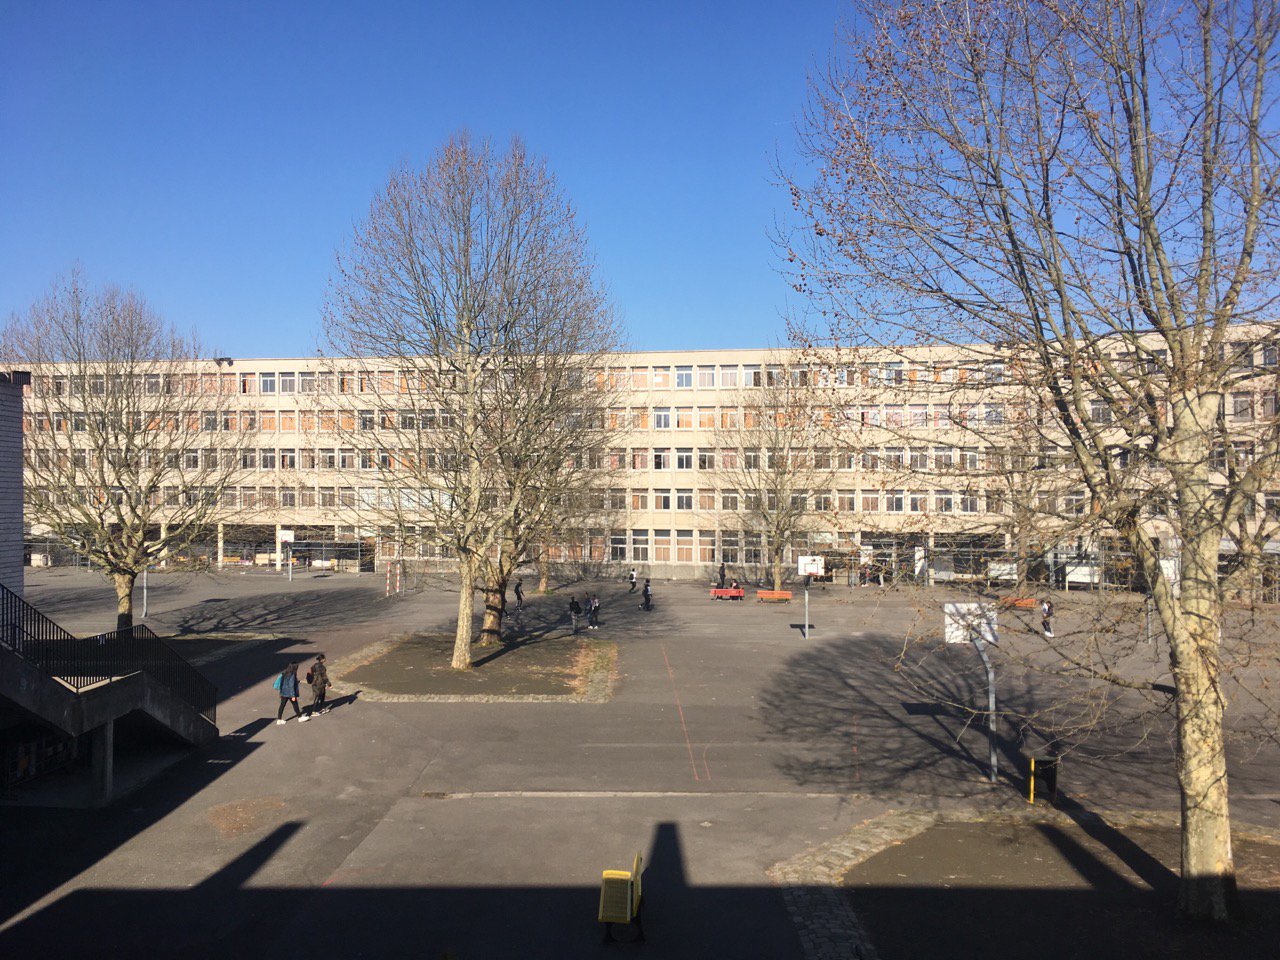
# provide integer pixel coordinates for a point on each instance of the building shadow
(230, 914)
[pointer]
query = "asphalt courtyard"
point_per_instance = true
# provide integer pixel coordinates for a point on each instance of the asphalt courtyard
(731, 744)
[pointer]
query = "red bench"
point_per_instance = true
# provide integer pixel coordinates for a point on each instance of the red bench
(773, 596)
(1019, 603)
(727, 593)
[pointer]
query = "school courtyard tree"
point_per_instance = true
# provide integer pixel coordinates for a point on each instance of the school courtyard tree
(114, 462)
(466, 315)
(776, 457)
(1092, 186)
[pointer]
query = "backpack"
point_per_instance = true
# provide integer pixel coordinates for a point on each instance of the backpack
(279, 679)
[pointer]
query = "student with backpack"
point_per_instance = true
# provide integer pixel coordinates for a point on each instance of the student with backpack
(318, 677)
(575, 611)
(287, 686)
(646, 597)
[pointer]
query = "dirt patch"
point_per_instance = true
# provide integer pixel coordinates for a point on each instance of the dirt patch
(241, 816)
(1055, 890)
(414, 667)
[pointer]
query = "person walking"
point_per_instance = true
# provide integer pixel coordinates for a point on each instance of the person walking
(575, 611)
(632, 580)
(318, 677)
(287, 686)
(519, 594)
(1046, 617)
(646, 597)
(593, 613)
(721, 573)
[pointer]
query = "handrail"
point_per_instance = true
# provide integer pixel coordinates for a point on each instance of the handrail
(81, 663)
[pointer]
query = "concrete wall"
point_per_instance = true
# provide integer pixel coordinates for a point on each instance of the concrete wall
(11, 481)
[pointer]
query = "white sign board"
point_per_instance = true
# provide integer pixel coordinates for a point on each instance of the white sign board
(962, 621)
(811, 567)
(286, 536)
(1086, 573)
(1002, 570)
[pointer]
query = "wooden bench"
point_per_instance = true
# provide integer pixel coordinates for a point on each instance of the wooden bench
(620, 899)
(727, 593)
(1019, 603)
(773, 596)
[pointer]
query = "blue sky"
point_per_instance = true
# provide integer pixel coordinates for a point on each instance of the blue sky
(214, 155)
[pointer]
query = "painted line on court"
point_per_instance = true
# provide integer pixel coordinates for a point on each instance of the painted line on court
(679, 709)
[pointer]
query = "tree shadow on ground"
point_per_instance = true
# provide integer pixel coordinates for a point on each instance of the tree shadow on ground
(848, 715)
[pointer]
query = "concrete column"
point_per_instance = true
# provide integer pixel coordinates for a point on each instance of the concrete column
(102, 755)
(220, 545)
(279, 559)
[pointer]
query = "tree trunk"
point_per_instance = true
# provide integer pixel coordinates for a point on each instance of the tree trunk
(495, 608)
(777, 569)
(466, 610)
(124, 599)
(544, 573)
(1208, 887)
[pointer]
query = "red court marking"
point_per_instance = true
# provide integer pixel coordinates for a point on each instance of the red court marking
(680, 710)
(706, 768)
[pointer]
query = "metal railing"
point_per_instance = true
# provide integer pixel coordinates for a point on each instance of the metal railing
(82, 662)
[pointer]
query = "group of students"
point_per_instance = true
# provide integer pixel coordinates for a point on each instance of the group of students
(646, 596)
(592, 611)
(287, 686)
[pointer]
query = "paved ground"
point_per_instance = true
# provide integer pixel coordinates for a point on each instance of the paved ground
(731, 744)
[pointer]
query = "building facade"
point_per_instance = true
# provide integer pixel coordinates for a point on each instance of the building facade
(910, 462)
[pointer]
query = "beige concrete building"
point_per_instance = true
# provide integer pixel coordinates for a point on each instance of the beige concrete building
(908, 458)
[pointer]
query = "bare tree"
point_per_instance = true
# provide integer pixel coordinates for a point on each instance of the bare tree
(1091, 185)
(467, 308)
(115, 460)
(776, 456)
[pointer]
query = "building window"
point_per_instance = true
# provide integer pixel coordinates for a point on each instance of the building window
(662, 499)
(684, 418)
(266, 383)
(288, 460)
(917, 501)
(662, 546)
(662, 418)
(639, 499)
(823, 501)
(1242, 407)
(706, 459)
(706, 418)
(662, 458)
(729, 500)
(661, 378)
(617, 547)
(870, 501)
(684, 499)
(248, 459)
(750, 459)
(684, 377)
(706, 376)
(640, 545)
(267, 459)
(970, 502)
(752, 376)
(943, 458)
(707, 500)
(684, 458)
(943, 501)
(684, 546)
(248, 382)
(640, 459)
(893, 501)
